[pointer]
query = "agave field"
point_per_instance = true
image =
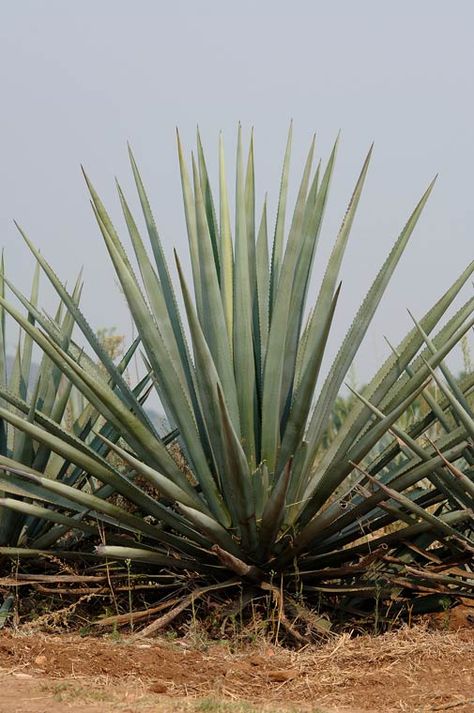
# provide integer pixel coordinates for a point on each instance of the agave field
(246, 497)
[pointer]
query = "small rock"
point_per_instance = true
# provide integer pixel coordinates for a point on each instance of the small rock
(40, 660)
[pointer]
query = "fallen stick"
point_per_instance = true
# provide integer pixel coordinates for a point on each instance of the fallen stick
(96, 591)
(134, 616)
(167, 618)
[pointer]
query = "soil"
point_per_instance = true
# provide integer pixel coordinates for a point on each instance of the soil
(415, 669)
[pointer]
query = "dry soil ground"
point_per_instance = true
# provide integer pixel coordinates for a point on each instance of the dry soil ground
(417, 669)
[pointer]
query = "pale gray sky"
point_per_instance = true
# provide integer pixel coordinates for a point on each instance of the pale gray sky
(80, 78)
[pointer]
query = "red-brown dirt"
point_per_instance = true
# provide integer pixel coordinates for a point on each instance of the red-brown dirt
(417, 669)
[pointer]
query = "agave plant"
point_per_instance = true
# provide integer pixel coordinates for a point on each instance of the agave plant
(263, 494)
(25, 387)
(44, 395)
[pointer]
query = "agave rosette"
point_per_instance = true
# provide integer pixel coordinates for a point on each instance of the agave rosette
(238, 376)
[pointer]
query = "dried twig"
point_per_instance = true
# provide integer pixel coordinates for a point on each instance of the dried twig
(167, 618)
(133, 616)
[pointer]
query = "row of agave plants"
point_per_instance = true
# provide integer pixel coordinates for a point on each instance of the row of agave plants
(382, 509)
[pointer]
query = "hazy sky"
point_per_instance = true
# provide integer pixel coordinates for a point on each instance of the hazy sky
(80, 78)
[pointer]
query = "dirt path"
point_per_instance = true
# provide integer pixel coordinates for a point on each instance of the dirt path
(407, 671)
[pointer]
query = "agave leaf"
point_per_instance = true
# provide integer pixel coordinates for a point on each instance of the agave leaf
(17, 486)
(14, 383)
(207, 380)
(250, 216)
(331, 275)
(295, 241)
(58, 328)
(153, 289)
(30, 552)
(191, 225)
(48, 398)
(312, 221)
(226, 251)
(274, 511)
(137, 554)
(213, 324)
(296, 485)
(162, 559)
(25, 508)
(23, 449)
(28, 342)
(71, 476)
(87, 419)
(300, 353)
(260, 487)
(237, 470)
(244, 362)
(52, 380)
(161, 264)
(275, 361)
(263, 287)
(303, 398)
(277, 250)
(208, 204)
